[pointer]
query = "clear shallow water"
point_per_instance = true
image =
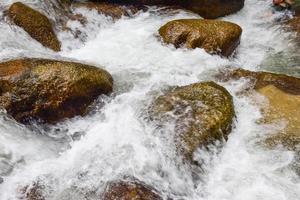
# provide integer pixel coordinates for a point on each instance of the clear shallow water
(78, 156)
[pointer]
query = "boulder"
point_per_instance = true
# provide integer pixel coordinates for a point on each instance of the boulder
(129, 190)
(203, 113)
(283, 95)
(37, 25)
(50, 90)
(209, 9)
(214, 36)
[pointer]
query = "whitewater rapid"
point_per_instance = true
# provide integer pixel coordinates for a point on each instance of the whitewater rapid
(78, 156)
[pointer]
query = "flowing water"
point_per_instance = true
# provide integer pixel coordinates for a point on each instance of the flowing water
(75, 158)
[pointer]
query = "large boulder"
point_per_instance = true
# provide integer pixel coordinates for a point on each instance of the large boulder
(49, 90)
(212, 35)
(203, 113)
(35, 24)
(283, 95)
(129, 190)
(209, 9)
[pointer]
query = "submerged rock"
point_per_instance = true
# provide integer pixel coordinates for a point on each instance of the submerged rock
(294, 25)
(203, 114)
(212, 35)
(109, 9)
(33, 192)
(50, 90)
(206, 8)
(129, 190)
(283, 95)
(35, 24)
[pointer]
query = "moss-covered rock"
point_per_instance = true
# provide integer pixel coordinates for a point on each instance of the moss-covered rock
(109, 9)
(203, 113)
(283, 94)
(35, 24)
(49, 90)
(214, 36)
(129, 190)
(209, 9)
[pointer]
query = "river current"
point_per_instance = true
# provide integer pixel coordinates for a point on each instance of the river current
(79, 155)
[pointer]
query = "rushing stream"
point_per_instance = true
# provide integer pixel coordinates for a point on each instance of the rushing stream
(78, 156)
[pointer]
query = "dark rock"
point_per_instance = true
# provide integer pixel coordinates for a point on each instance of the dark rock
(209, 9)
(49, 90)
(33, 192)
(129, 190)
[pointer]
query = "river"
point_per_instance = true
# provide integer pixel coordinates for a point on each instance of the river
(80, 155)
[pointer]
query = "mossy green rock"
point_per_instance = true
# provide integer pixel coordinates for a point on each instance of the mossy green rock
(214, 36)
(203, 114)
(49, 90)
(35, 24)
(129, 190)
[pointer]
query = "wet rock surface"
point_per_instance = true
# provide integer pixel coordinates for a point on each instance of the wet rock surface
(203, 113)
(33, 192)
(49, 90)
(37, 25)
(129, 190)
(212, 35)
(109, 9)
(209, 9)
(283, 95)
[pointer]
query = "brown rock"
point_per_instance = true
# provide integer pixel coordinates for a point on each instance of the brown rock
(129, 190)
(294, 25)
(50, 90)
(283, 94)
(34, 192)
(109, 9)
(209, 9)
(35, 24)
(203, 114)
(212, 35)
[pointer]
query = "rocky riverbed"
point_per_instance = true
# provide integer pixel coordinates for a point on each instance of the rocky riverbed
(149, 100)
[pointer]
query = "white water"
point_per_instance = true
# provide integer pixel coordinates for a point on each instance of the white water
(80, 155)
